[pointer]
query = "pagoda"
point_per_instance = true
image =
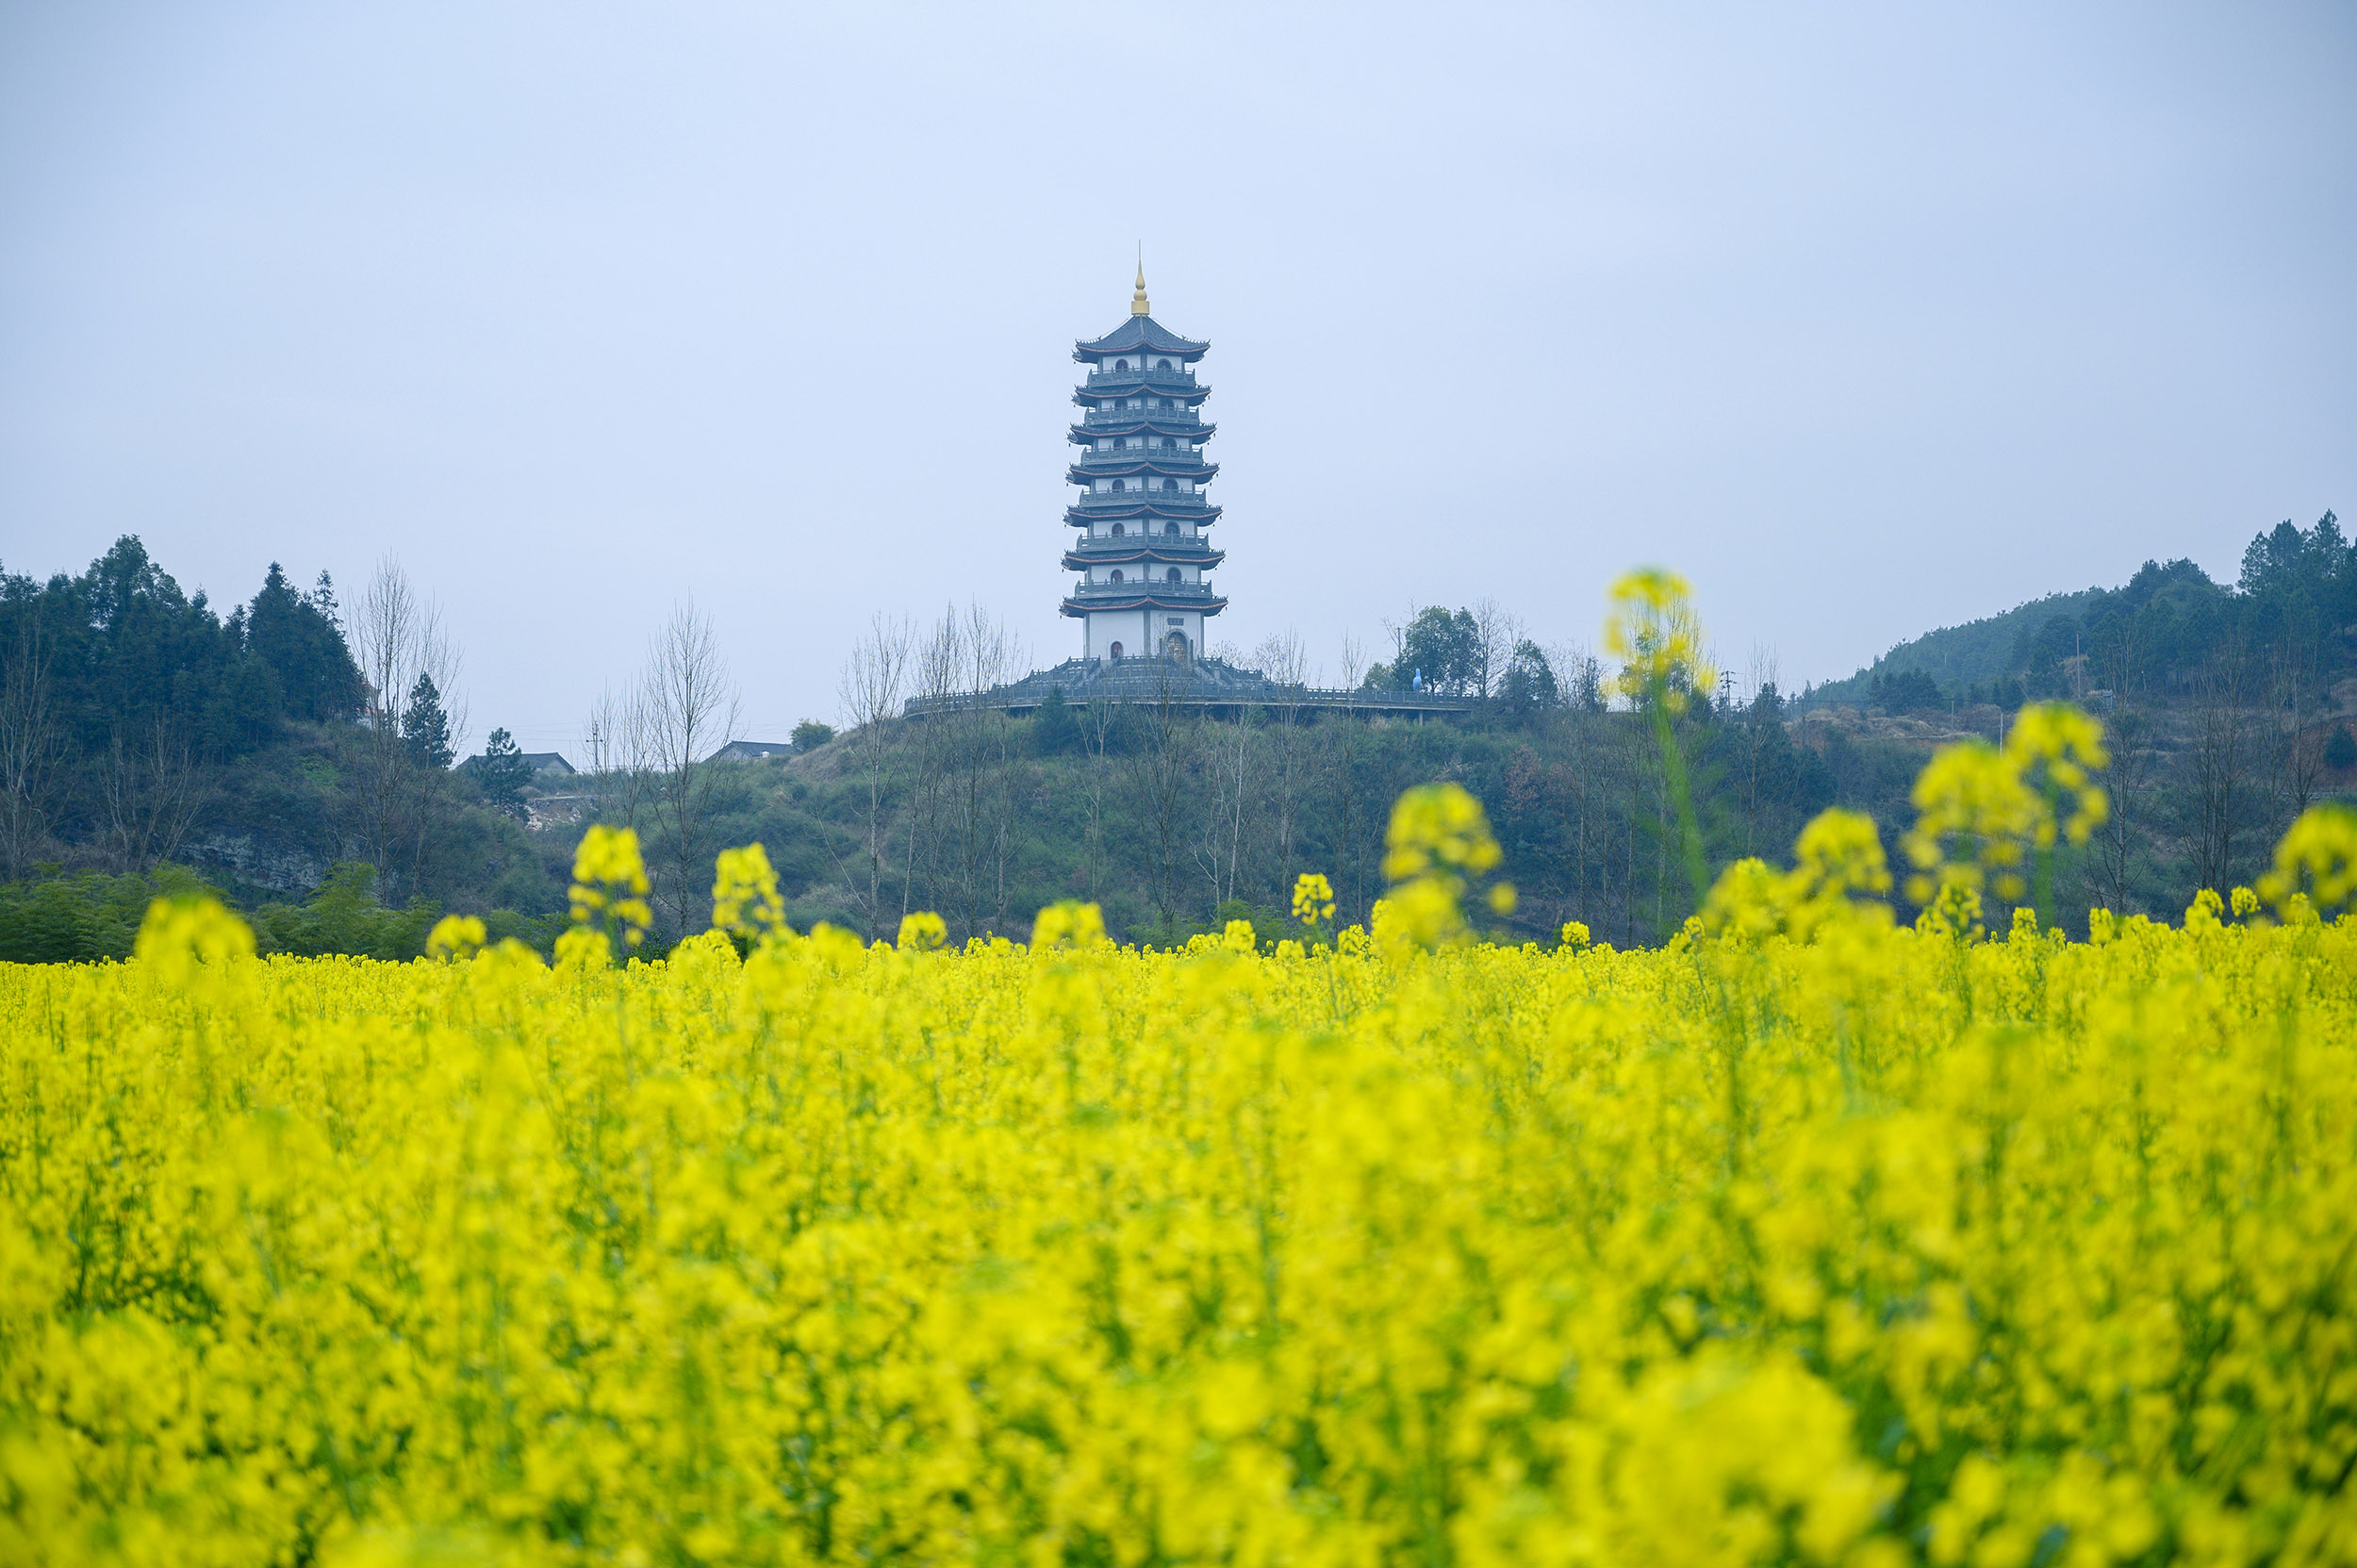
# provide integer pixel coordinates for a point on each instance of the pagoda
(1142, 547)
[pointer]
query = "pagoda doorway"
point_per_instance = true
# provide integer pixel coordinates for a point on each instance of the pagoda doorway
(1175, 647)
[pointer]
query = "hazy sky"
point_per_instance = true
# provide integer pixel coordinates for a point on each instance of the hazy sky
(1870, 319)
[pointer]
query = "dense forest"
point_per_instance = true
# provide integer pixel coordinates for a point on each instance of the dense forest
(297, 755)
(148, 743)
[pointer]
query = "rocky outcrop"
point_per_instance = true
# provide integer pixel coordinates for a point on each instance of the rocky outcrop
(258, 860)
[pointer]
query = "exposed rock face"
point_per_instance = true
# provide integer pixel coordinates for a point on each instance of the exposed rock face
(279, 866)
(543, 811)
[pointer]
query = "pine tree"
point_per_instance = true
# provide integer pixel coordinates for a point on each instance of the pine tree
(502, 774)
(424, 728)
(298, 639)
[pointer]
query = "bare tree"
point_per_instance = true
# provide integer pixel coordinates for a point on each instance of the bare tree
(2128, 782)
(614, 744)
(2221, 761)
(875, 678)
(982, 749)
(1286, 663)
(2118, 659)
(150, 788)
(1158, 767)
(1762, 671)
(1221, 850)
(31, 745)
(2297, 756)
(1097, 722)
(398, 635)
(688, 710)
(1496, 633)
(1354, 669)
(939, 662)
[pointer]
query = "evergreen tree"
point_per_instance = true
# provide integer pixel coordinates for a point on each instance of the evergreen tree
(299, 640)
(1054, 730)
(424, 728)
(1529, 686)
(502, 773)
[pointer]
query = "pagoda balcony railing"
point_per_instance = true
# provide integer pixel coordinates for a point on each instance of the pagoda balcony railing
(1109, 378)
(1130, 416)
(1182, 453)
(1132, 498)
(1164, 543)
(1196, 591)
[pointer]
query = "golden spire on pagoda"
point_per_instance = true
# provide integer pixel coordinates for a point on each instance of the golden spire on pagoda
(1137, 301)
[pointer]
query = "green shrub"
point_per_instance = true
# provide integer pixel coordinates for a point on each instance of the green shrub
(86, 917)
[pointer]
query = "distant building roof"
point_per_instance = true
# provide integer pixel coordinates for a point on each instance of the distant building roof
(542, 763)
(755, 750)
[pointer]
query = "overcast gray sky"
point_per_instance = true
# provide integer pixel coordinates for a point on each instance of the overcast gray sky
(1869, 318)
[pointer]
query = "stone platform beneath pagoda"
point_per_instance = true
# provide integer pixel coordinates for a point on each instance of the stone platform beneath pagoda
(1211, 686)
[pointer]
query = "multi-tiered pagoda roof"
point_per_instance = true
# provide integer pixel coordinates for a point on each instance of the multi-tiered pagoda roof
(1141, 512)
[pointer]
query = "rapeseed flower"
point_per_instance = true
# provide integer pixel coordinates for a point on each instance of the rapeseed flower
(1806, 1238)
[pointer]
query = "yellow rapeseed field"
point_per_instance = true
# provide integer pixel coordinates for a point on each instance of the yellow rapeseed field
(1806, 1238)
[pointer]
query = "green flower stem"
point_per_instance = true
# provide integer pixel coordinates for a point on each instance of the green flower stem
(1673, 770)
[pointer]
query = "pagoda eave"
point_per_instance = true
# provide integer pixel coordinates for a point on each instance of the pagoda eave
(1090, 435)
(1080, 608)
(1164, 384)
(1139, 335)
(1077, 560)
(1079, 517)
(1090, 398)
(1125, 467)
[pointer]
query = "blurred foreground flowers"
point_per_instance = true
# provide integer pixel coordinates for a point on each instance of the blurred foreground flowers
(1810, 1238)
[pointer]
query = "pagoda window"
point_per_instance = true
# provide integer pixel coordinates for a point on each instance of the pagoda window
(1114, 650)
(1164, 364)
(1171, 528)
(1171, 576)
(1115, 577)
(1117, 530)
(1170, 484)
(1121, 363)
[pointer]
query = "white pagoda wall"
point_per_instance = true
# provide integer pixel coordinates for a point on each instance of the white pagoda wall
(1140, 631)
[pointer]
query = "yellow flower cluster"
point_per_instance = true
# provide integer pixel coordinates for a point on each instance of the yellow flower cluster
(1983, 811)
(1313, 897)
(609, 893)
(1840, 1243)
(2315, 864)
(924, 932)
(1436, 847)
(1655, 631)
(1837, 855)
